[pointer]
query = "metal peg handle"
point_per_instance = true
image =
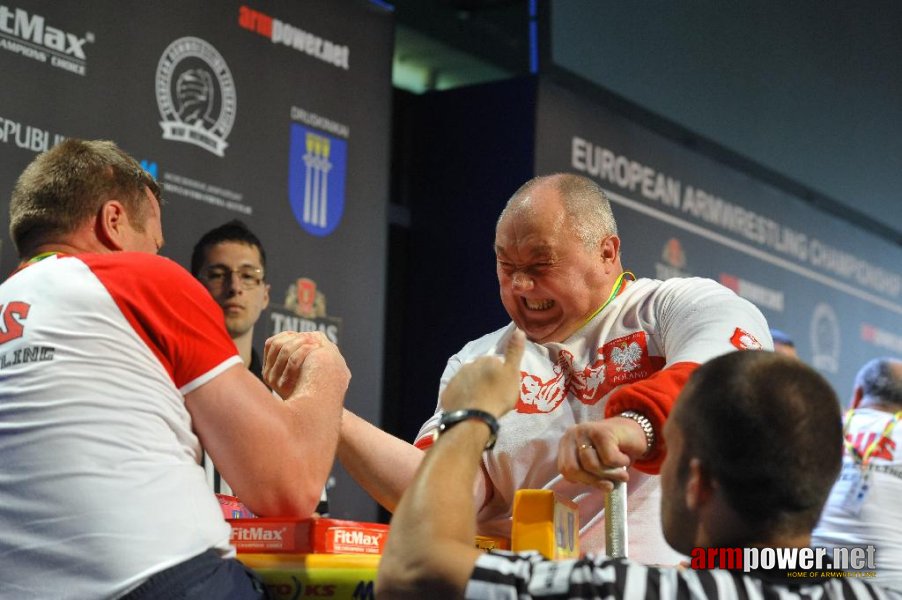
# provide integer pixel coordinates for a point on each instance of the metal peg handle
(615, 535)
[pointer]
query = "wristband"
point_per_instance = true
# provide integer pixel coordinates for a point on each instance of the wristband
(449, 420)
(646, 426)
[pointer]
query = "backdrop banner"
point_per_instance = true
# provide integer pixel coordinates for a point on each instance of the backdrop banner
(834, 288)
(276, 113)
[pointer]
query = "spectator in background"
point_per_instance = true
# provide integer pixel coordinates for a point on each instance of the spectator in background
(231, 263)
(864, 506)
(783, 343)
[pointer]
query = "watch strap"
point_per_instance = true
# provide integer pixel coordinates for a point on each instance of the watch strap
(450, 419)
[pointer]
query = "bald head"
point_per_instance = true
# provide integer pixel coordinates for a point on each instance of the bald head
(577, 198)
(557, 261)
(879, 382)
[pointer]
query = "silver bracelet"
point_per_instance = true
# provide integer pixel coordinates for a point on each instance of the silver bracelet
(646, 426)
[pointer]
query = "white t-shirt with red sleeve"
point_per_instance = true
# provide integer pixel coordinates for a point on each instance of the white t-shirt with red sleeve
(100, 482)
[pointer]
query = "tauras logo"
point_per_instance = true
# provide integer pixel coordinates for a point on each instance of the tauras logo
(258, 534)
(356, 537)
(33, 28)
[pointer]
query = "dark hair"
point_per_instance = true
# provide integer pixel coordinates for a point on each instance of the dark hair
(768, 429)
(67, 185)
(233, 231)
(877, 380)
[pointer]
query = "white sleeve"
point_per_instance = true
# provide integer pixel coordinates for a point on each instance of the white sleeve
(699, 319)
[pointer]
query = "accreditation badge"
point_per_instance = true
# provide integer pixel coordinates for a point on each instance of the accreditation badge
(858, 490)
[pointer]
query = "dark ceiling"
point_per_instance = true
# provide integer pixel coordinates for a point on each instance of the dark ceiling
(810, 89)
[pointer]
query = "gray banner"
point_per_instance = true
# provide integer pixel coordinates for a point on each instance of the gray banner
(834, 288)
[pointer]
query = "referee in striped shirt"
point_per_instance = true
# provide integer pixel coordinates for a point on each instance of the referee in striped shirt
(754, 444)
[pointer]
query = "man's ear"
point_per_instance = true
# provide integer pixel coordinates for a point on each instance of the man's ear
(110, 225)
(610, 249)
(265, 295)
(699, 485)
(857, 395)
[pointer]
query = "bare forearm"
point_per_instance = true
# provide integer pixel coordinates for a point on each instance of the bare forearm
(431, 541)
(276, 455)
(315, 424)
(380, 463)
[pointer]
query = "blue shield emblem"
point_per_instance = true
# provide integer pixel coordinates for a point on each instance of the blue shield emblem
(317, 165)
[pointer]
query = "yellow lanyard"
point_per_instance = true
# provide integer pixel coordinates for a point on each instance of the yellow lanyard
(865, 457)
(34, 259)
(618, 285)
(42, 256)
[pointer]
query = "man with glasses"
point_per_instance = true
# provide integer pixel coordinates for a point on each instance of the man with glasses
(230, 262)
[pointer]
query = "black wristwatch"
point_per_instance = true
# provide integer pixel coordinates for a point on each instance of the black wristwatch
(450, 419)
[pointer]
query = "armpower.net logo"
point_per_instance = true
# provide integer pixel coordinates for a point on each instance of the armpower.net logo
(795, 562)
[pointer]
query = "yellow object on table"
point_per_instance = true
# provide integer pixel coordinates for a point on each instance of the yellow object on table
(293, 576)
(547, 522)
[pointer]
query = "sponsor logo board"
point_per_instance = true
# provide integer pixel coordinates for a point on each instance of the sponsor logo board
(882, 338)
(295, 37)
(825, 338)
(759, 295)
(30, 35)
(317, 166)
(305, 310)
(196, 95)
(673, 261)
(208, 193)
(28, 137)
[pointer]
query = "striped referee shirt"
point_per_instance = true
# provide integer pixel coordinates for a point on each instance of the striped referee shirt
(503, 575)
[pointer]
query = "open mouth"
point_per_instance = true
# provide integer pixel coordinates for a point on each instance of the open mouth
(538, 304)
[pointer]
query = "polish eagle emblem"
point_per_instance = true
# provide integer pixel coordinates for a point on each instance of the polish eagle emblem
(627, 356)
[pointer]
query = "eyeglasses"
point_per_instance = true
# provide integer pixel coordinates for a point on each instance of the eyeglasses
(248, 277)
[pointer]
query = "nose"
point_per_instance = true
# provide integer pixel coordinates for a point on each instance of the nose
(232, 283)
(521, 282)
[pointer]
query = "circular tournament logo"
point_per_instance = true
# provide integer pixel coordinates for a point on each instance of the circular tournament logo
(825, 342)
(196, 95)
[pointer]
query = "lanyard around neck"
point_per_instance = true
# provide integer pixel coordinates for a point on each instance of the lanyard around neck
(863, 458)
(618, 285)
(35, 259)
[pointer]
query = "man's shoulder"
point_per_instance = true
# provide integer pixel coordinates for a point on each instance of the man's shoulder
(683, 292)
(143, 262)
(139, 271)
(679, 285)
(488, 343)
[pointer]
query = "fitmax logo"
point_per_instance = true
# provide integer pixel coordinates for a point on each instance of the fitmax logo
(255, 534)
(33, 28)
(357, 537)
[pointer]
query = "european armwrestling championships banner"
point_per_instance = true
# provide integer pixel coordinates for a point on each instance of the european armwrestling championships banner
(276, 113)
(834, 288)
